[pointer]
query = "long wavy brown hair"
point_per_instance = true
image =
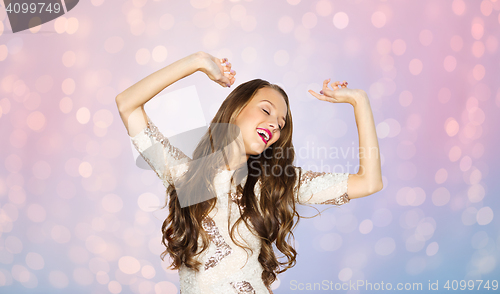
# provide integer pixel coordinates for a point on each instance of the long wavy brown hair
(272, 218)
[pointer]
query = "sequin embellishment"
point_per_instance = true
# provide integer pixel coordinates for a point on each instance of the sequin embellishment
(243, 287)
(338, 201)
(152, 131)
(310, 175)
(222, 248)
(146, 159)
(236, 197)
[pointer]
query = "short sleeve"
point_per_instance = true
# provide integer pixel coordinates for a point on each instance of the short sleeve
(321, 187)
(165, 159)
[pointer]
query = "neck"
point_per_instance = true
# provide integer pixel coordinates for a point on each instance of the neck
(235, 156)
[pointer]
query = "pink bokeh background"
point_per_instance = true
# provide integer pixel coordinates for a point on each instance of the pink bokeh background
(76, 212)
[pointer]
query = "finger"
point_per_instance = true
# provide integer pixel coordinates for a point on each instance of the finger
(230, 78)
(230, 73)
(320, 97)
(344, 84)
(225, 81)
(227, 66)
(335, 85)
(325, 83)
(315, 94)
(223, 60)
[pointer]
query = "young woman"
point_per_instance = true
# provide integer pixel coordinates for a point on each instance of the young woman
(237, 196)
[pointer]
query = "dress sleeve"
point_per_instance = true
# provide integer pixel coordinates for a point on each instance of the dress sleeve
(321, 187)
(166, 160)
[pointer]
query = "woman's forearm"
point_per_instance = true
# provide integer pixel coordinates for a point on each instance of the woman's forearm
(369, 155)
(141, 92)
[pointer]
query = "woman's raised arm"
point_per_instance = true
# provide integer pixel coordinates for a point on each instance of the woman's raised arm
(131, 101)
(368, 180)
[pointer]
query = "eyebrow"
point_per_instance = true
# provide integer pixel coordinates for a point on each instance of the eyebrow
(274, 108)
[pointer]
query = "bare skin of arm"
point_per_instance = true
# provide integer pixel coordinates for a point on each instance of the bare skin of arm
(131, 102)
(368, 180)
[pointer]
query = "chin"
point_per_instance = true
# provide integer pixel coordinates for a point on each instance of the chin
(256, 150)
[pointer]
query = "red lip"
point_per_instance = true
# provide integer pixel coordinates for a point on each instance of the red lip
(268, 132)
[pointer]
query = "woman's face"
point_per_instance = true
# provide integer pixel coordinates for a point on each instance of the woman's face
(261, 120)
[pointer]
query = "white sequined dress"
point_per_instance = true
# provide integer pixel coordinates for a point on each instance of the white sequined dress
(226, 267)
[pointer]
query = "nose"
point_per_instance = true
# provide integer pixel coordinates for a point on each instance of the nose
(274, 126)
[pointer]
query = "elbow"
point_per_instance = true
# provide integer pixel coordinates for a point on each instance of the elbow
(120, 103)
(376, 187)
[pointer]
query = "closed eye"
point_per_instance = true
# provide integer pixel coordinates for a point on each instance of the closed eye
(269, 114)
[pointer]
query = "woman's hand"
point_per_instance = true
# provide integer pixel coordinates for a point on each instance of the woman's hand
(339, 93)
(218, 70)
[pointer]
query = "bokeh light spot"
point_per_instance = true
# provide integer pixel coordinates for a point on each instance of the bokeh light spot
(399, 47)
(142, 56)
(415, 66)
(95, 244)
(58, 279)
(456, 43)
(432, 249)
(309, 20)
(167, 21)
(484, 216)
(405, 98)
(66, 105)
(365, 226)
(114, 287)
(425, 37)
(148, 272)
(60, 234)
(129, 265)
(324, 8)
(478, 72)
(379, 19)
(451, 127)
(478, 49)
(444, 95)
(450, 63)
(35, 261)
(441, 176)
(35, 120)
(476, 193)
(36, 213)
(458, 7)
(68, 86)
(340, 20)
(83, 115)
(85, 169)
(455, 153)
(441, 196)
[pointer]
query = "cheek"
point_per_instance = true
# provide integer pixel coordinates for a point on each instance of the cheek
(277, 136)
